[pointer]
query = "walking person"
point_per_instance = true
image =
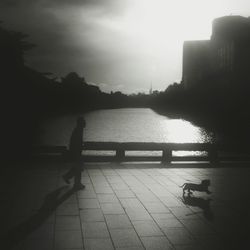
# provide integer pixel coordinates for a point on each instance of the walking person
(75, 151)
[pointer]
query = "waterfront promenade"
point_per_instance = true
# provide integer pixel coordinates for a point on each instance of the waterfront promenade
(124, 207)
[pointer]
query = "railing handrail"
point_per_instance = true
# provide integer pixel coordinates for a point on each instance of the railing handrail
(141, 146)
(167, 149)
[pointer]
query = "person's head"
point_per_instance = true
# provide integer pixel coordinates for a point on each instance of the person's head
(81, 122)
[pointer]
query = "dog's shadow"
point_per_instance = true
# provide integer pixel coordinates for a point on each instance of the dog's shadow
(199, 202)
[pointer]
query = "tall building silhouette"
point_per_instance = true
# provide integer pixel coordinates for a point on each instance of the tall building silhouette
(224, 59)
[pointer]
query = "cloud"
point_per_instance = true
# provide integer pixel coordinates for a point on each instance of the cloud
(69, 35)
(105, 5)
(85, 36)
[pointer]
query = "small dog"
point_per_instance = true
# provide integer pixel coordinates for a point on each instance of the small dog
(202, 187)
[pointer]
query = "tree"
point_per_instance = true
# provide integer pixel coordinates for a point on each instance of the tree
(12, 48)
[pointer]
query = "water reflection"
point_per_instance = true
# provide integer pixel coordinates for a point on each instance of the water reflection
(124, 125)
(181, 131)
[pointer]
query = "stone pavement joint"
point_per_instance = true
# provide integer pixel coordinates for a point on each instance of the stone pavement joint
(124, 206)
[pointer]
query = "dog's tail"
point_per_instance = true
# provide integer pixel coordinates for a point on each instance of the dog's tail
(183, 185)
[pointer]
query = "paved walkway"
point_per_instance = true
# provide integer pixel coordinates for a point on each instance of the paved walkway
(127, 206)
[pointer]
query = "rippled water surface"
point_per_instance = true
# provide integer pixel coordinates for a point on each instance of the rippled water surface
(124, 125)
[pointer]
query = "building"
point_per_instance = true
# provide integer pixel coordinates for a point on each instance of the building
(224, 59)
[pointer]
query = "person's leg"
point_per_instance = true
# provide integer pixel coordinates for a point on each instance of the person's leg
(71, 172)
(78, 174)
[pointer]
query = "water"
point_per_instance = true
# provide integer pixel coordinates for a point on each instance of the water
(124, 125)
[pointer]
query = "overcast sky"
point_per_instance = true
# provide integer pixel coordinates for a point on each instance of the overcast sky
(116, 44)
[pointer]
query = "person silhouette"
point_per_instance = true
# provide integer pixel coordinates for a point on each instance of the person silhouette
(75, 151)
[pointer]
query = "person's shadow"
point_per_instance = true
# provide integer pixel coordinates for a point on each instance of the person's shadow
(19, 233)
(204, 204)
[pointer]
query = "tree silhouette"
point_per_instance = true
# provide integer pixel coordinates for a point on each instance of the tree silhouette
(13, 45)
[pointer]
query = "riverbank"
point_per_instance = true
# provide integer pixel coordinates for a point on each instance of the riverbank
(228, 127)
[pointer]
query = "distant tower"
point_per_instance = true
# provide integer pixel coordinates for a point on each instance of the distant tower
(151, 90)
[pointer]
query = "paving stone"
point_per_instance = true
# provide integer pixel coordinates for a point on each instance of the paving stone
(129, 248)
(198, 228)
(171, 202)
(101, 185)
(82, 248)
(112, 208)
(131, 203)
(190, 247)
(95, 230)
(109, 172)
(86, 194)
(68, 223)
(71, 199)
(88, 203)
(160, 191)
(169, 223)
(107, 198)
(98, 179)
(145, 195)
(114, 179)
(119, 186)
(38, 244)
(88, 188)
(147, 198)
(94, 172)
(155, 207)
(184, 213)
(68, 209)
(178, 236)
(124, 194)
(138, 214)
(140, 189)
(125, 238)
(68, 239)
(159, 243)
(161, 216)
(44, 231)
(87, 215)
(85, 180)
(119, 221)
(98, 244)
(103, 190)
(147, 228)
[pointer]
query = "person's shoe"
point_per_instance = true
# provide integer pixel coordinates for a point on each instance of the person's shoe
(78, 186)
(66, 179)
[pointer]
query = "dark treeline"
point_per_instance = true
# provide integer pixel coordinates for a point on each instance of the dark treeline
(41, 94)
(29, 96)
(220, 106)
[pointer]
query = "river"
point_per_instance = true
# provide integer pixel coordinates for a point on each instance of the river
(124, 125)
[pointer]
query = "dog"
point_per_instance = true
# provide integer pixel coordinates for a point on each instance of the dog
(202, 187)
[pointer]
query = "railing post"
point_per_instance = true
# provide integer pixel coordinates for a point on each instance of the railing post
(166, 155)
(120, 154)
(213, 155)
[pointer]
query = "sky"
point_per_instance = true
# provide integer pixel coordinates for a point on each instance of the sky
(118, 45)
